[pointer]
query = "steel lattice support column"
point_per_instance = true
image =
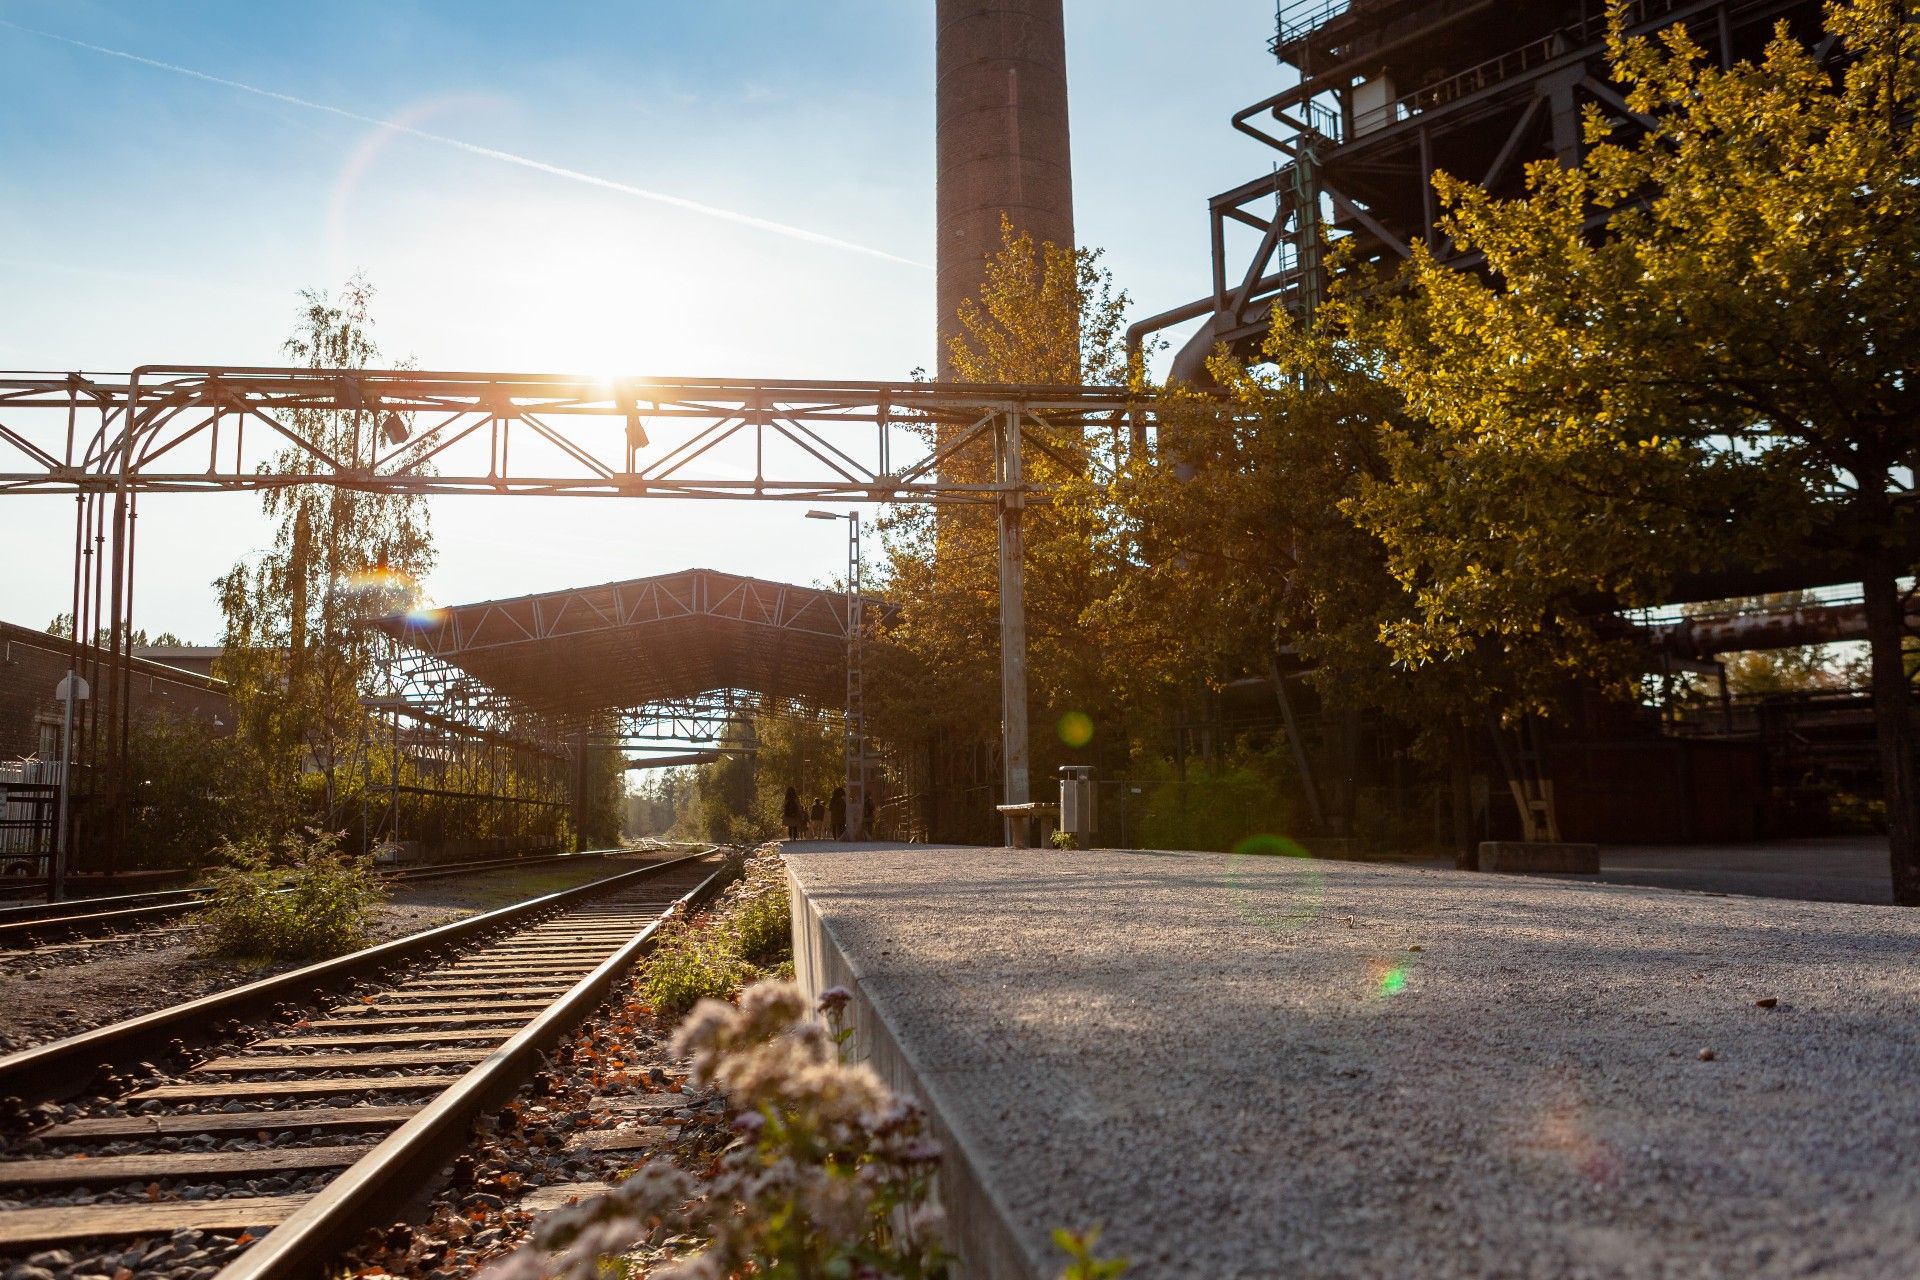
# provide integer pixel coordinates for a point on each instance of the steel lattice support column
(856, 727)
(1013, 617)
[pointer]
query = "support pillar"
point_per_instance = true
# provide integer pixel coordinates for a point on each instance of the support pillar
(1017, 785)
(579, 789)
(856, 727)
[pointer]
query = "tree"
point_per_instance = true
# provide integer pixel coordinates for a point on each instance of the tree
(298, 652)
(1720, 373)
(1244, 560)
(1046, 315)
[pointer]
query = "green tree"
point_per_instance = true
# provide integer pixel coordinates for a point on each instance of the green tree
(1723, 374)
(1046, 315)
(298, 654)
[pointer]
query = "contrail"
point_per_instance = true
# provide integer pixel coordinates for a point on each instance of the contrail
(491, 153)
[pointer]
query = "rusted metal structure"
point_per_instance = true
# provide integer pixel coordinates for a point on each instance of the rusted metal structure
(647, 667)
(108, 439)
(1387, 92)
(1001, 138)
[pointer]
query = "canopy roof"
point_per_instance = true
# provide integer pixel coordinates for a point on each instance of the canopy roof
(570, 654)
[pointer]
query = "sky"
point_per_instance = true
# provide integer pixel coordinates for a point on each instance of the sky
(651, 187)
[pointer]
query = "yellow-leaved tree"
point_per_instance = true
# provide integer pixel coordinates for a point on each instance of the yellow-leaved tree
(1692, 352)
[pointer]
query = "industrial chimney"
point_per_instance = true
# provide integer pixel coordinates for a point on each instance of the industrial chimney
(1000, 138)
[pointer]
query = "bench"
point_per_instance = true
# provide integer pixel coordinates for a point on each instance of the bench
(1022, 816)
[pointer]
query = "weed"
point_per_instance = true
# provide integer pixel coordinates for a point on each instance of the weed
(1063, 840)
(301, 900)
(1081, 1264)
(748, 932)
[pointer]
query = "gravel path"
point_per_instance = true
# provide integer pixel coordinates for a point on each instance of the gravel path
(1259, 1067)
(59, 992)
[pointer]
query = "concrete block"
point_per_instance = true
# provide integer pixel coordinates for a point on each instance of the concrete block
(1540, 855)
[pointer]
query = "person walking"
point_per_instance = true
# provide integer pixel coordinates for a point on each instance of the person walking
(792, 814)
(817, 829)
(837, 810)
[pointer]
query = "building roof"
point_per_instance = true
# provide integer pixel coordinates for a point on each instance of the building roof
(570, 654)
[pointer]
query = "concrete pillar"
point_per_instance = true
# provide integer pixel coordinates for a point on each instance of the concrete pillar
(1000, 138)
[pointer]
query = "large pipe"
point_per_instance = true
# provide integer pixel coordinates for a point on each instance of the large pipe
(1785, 627)
(1000, 137)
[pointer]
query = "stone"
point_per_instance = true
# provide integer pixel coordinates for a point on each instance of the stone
(1556, 857)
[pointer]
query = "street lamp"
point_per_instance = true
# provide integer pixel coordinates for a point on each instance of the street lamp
(70, 690)
(856, 785)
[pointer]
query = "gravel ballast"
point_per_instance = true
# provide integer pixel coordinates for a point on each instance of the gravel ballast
(1247, 1066)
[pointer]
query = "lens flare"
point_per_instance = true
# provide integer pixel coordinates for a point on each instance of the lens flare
(1393, 981)
(426, 617)
(1264, 846)
(1076, 728)
(1267, 886)
(377, 578)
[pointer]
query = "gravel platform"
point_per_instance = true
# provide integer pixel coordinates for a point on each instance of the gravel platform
(1247, 1066)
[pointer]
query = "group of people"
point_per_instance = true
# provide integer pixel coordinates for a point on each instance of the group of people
(826, 819)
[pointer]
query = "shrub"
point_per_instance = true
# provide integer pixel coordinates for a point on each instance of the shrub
(690, 965)
(760, 913)
(749, 930)
(302, 900)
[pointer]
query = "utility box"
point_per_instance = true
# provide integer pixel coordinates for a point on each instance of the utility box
(1077, 817)
(1373, 105)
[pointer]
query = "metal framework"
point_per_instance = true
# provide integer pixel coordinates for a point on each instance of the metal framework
(1388, 92)
(109, 439)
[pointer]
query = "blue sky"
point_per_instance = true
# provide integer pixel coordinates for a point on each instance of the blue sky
(147, 216)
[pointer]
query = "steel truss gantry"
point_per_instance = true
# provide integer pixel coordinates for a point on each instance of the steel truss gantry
(108, 439)
(1389, 92)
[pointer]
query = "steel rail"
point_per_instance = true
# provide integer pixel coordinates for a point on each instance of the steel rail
(64, 1068)
(311, 1240)
(49, 922)
(39, 911)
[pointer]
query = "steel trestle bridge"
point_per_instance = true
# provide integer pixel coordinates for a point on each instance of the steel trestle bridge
(109, 439)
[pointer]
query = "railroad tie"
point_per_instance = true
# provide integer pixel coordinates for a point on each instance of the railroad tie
(77, 1171)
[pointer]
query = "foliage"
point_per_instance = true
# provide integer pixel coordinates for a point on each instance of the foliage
(62, 626)
(298, 900)
(1063, 840)
(297, 650)
(1046, 315)
(1722, 376)
(1216, 804)
(1082, 1265)
(749, 930)
(187, 789)
(832, 1176)
(688, 965)
(759, 912)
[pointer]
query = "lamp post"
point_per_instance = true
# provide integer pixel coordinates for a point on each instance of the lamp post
(70, 690)
(856, 786)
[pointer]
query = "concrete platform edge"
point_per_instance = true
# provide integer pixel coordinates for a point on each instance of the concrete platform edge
(979, 1229)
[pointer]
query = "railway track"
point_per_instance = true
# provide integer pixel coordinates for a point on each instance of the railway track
(302, 1135)
(91, 918)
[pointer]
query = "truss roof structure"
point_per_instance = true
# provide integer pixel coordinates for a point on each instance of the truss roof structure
(569, 655)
